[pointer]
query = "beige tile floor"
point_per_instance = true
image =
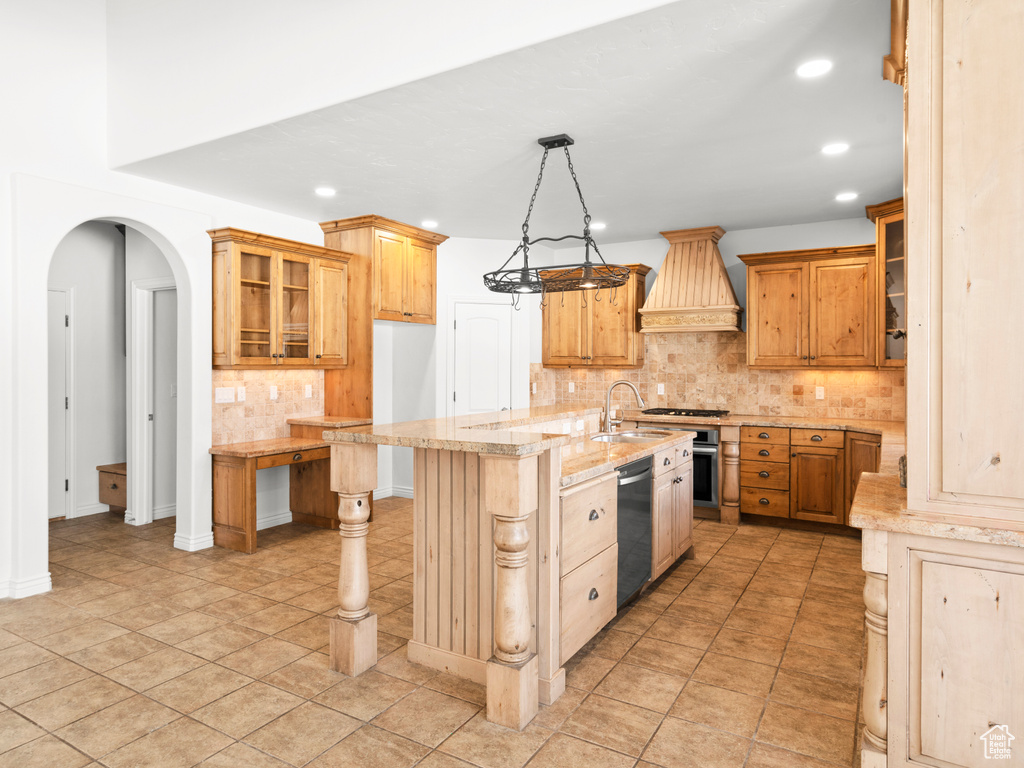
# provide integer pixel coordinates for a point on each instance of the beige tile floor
(142, 655)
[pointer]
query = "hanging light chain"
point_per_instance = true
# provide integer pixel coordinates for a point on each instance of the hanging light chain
(572, 171)
(533, 198)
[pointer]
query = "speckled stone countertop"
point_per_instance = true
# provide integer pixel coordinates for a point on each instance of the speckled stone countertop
(331, 422)
(585, 458)
(506, 432)
(257, 448)
(881, 505)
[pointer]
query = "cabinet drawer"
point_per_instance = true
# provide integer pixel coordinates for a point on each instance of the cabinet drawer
(587, 600)
(763, 501)
(764, 474)
(822, 438)
(665, 461)
(589, 522)
(283, 459)
(774, 435)
(759, 452)
(113, 489)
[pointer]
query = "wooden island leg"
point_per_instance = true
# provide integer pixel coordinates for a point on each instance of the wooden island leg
(730, 506)
(354, 630)
(511, 496)
(874, 557)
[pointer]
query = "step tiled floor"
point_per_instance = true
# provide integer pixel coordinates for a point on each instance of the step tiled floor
(143, 655)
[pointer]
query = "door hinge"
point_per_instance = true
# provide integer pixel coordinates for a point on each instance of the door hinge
(453, 397)
(67, 322)
(65, 403)
(455, 324)
(66, 489)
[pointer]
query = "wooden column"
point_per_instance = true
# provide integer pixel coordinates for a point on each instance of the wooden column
(874, 556)
(730, 504)
(354, 630)
(510, 497)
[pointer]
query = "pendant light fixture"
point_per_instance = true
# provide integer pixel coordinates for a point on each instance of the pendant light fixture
(585, 275)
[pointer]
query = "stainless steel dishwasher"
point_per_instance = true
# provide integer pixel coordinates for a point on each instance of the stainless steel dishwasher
(634, 529)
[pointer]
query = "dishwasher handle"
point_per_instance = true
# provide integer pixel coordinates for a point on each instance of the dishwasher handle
(625, 478)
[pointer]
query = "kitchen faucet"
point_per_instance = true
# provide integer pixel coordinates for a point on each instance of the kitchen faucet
(607, 426)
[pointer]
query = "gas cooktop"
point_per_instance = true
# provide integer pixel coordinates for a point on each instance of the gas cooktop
(694, 412)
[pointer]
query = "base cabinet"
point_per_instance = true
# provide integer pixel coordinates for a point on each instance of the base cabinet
(816, 485)
(671, 510)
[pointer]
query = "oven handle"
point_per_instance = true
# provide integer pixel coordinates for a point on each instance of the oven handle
(702, 449)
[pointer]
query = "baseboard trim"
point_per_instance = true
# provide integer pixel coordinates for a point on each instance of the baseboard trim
(168, 510)
(402, 492)
(18, 588)
(193, 545)
(269, 521)
(91, 509)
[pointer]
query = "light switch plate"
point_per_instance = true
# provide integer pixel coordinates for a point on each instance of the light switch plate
(273, 391)
(580, 425)
(224, 395)
(309, 390)
(819, 393)
(661, 389)
(572, 386)
(241, 395)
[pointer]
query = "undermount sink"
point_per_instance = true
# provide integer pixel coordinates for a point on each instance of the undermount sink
(632, 436)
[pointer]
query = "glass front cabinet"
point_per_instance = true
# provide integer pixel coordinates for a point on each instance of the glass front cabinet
(265, 302)
(892, 282)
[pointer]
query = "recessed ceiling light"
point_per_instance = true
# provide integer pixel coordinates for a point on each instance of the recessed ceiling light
(325, 191)
(845, 197)
(815, 68)
(597, 225)
(835, 149)
(428, 224)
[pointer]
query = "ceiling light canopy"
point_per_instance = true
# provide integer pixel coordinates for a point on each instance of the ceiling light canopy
(845, 197)
(325, 191)
(588, 274)
(428, 224)
(597, 225)
(814, 68)
(835, 149)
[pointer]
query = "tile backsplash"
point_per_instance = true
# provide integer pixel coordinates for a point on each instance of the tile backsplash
(259, 417)
(709, 370)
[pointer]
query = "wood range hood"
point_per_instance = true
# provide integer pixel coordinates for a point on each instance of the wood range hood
(692, 292)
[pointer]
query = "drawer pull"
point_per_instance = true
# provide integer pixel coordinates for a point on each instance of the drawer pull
(113, 486)
(763, 435)
(667, 461)
(594, 515)
(763, 501)
(762, 473)
(685, 453)
(763, 452)
(593, 595)
(297, 457)
(816, 438)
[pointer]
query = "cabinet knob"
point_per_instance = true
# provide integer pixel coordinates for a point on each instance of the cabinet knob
(804, 357)
(667, 461)
(685, 452)
(593, 595)
(763, 501)
(813, 357)
(297, 457)
(318, 357)
(816, 438)
(113, 486)
(764, 435)
(762, 473)
(763, 452)
(594, 515)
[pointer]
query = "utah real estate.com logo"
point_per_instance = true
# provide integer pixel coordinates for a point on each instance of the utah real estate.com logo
(997, 742)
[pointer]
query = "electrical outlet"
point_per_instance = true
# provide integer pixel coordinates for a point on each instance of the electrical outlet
(572, 386)
(534, 387)
(309, 390)
(241, 395)
(273, 391)
(661, 389)
(224, 395)
(580, 425)
(819, 393)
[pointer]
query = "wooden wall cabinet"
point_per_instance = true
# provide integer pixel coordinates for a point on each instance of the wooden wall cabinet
(404, 276)
(890, 243)
(671, 508)
(277, 302)
(595, 328)
(811, 308)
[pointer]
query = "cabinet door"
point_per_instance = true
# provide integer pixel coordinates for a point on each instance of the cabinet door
(253, 309)
(612, 326)
(842, 309)
(663, 524)
(388, 275)
(331, 313)
(565, 329)
(816, 485)
(891, 315)
(683, 503)
(294, 291)
(420, 279)
(863, 454)
(777, 320)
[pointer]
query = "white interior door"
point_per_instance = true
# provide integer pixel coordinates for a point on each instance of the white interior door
(165, 401)
(57, 355)
(483, 358)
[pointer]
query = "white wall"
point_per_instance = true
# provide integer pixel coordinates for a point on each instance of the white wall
(90, 262)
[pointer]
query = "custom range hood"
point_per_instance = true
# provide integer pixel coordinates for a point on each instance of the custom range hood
(692, 292)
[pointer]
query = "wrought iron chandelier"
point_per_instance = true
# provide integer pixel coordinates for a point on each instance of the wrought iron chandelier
(588, 274)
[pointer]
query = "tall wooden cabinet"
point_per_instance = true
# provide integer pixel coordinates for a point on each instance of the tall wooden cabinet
(811, 308)
(890, 243)
(671, 507)
(595, 328)
(277, 302)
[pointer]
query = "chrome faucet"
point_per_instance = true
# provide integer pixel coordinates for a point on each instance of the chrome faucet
(607, 425)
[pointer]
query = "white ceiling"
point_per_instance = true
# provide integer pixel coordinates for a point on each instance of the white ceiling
(688, 115)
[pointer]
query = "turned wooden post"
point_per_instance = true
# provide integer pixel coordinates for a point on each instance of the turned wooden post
(510, 497)
(730, 505)
(875, 562)
(354, 631)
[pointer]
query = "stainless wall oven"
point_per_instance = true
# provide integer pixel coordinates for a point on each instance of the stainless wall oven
(705, 461)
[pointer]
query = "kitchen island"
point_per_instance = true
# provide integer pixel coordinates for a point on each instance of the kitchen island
(492, 599)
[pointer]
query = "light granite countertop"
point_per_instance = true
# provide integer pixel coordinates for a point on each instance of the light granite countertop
(584, 458)
(256, 448)
(331, 422)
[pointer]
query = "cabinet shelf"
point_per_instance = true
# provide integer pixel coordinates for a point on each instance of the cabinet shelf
(295, 287)
(901, 293)
(246, 281)
(254, 330)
